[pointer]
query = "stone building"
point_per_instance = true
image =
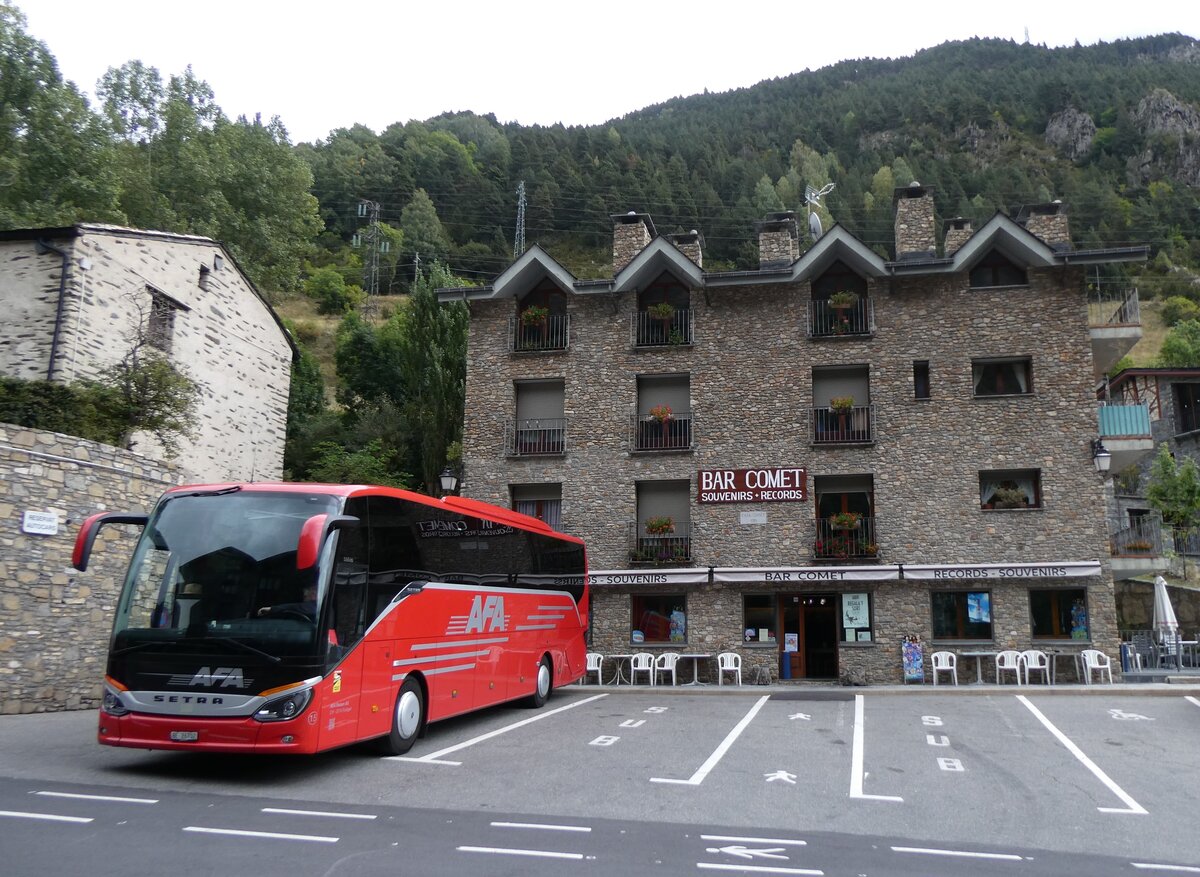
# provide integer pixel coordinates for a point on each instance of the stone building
(809, 462)
(74, 298)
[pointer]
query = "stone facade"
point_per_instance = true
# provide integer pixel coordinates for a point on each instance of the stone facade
(752, 373)
(631, 233)
(221, 333)
(957, 232)
(915, 224)
(1049, 222)
(778, 240)
(55, 623)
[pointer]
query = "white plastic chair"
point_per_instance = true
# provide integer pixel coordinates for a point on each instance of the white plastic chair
(1032, 660)
(642, 662)
(945, 662)
(729, 662)
(594, 660)
(665, 663)
(1094, 659)
(1009, 659)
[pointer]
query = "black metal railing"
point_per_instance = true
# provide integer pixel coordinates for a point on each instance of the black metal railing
(827, 321)
(836, 541)
(662, 549)
(536, 437)
(673, 331)
(551, 333)
(1113, 306)
(851, 426)
(672, 434)
(1142, 538)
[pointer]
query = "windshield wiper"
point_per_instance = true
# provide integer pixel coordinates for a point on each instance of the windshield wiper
(137, 647)
(275, 659)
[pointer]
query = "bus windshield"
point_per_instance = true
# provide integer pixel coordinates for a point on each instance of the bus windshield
(216, 572)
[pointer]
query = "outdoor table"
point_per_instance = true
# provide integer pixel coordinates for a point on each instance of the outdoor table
(696, 659)
(618, 674)
(979, 656)
(1055, 654)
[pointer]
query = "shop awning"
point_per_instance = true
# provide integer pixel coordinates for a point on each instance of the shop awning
(950, 572)
(806, 574)
(685, 576)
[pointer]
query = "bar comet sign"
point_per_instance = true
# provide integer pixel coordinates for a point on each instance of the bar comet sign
(752, 485)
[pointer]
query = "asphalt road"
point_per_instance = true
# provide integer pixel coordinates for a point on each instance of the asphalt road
(606, 781)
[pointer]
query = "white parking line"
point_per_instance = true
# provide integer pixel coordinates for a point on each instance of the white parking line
(1150, 866)
(97, 797)
(502, 851)
(1008, 857)
(1192, 699)
(435, 757)
(698, 777)
(272, 835)
(331, 814)
(541, 826)
(48, 817)
(856, 759)
(755, 840)
(1132, 807)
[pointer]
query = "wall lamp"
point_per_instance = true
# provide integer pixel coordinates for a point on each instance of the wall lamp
(449, 481)
(1101, 456)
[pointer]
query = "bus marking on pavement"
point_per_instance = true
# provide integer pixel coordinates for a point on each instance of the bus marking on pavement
(1132, 807)
(435, 757)
(698, 777)
(604, 740)
(951, 764)
(856, 765)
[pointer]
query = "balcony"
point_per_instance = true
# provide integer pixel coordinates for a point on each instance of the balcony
(1138, 548)
(539, 437)
(671, 549)
(837, 543)
(826, 321)
(674, 331)
(835, 427)
(550, 335)
(651, 434)
(1114, 324)
(1125, 431)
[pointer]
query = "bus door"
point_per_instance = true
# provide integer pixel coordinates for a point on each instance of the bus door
(343, 699)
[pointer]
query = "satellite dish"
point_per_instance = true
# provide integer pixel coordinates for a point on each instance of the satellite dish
(814, 226)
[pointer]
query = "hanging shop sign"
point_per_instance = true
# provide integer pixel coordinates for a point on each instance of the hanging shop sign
(806, 574)
(600, 578)
(780, 484)
(952, 572)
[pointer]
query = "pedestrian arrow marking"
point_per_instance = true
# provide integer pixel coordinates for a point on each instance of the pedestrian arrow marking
(744, 852)
(781, 775)
(804, 716)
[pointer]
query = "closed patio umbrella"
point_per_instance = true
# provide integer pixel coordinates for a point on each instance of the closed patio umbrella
(1166, 624)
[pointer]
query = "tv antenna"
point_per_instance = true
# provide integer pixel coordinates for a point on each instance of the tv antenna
(812, 197)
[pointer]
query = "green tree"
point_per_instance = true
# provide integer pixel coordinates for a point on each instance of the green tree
(423, 232)
(1174, 490)
(373, 464)
(1181, 347)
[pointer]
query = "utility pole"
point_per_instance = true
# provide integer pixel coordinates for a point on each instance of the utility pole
(519, 236)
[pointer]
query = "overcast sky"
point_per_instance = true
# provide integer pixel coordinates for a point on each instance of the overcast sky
(322, 65)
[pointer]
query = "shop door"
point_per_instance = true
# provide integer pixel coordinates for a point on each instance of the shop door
(812, 620)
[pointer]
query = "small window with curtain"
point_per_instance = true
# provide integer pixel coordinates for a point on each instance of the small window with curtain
(1010, 489)
(1009, 376)
(995, 269)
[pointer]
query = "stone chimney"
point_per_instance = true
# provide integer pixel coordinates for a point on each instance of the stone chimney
(632, 233)
(955, 233)
(691, 244)
(778, 240)
(916, 225)
(1048, 222)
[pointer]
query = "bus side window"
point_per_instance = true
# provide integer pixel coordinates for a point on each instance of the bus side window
(350, 580)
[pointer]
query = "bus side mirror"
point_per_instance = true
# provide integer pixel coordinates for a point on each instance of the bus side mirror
(87, 534)
(313, 534)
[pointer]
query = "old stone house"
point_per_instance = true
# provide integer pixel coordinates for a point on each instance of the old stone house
(74, 297)
(809, 462)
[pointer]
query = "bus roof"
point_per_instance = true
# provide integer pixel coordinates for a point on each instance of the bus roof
(472, 507)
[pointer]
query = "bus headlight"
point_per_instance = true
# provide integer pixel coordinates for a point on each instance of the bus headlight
(283, 708)
(112, 703)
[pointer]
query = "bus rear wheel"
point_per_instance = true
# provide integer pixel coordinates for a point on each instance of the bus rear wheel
(408, 718)
(544, 685)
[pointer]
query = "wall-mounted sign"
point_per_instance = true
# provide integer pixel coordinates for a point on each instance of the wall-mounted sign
(780, 484)
(855, 611)
(40, 523)
(1053, 570)
(754, 517)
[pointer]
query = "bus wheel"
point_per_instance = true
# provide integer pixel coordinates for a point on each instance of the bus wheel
(542, 693)
(407, 718)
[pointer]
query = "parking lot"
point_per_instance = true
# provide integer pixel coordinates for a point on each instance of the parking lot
(1109, 772)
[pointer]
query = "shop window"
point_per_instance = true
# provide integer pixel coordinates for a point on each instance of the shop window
(659, 618)
(1059, 613)
(962, 615)
(996, 270)
(1002, 377)
(1010, 489)
(758, 618)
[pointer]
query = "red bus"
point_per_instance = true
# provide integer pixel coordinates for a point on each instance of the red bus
(270, 617)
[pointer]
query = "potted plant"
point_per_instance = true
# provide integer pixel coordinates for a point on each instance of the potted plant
(843, 299)
(663, 525)
(841, 404)
(661, 311)
(1009, 498)
(535, 315)
(1138, 546)
(662, 413)
(845, 521)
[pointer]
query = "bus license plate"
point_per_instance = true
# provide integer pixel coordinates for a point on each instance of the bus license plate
(185, 736)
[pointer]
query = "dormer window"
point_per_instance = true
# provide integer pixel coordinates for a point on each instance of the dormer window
(541, 322)
(995, 269)
(664, 313)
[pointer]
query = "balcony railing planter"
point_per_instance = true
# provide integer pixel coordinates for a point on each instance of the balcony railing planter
(835, 541)
(665, 430)
(845, 521)
(662, 325)
(839, 424)
(828, 318)
(671, 547)
(552, 332)
(661, 526)
(537, 437)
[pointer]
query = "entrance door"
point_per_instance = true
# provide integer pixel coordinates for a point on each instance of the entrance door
(812, 618)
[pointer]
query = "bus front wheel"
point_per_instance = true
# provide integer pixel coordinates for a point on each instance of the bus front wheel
(407, 718)
(544, 684)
